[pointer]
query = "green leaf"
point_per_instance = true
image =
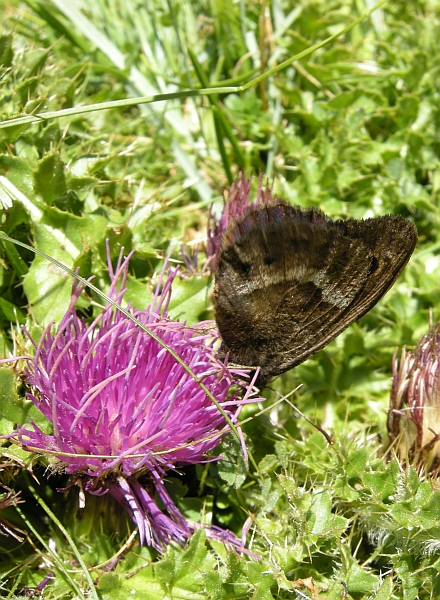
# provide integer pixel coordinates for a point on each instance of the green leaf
(6, 50)
(359, 580)
(18, 172)
(189, 299)
(12, 312)
(233, 467)
(179, 575)
(321, 517)
(109, 584)
(64, 237)
(405, 569)
(49, 179)
(385, 591)
(15, 410)
(383, 485)
(261, 580)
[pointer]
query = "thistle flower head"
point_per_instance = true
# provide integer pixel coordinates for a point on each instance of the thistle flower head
(122, 407)
(414, 415)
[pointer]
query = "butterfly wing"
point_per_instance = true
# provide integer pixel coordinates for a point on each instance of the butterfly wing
(290, 280)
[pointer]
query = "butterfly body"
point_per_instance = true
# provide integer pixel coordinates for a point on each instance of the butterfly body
(289, 280)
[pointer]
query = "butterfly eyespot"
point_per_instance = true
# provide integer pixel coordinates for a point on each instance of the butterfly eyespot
(245, 268)
(373, 266)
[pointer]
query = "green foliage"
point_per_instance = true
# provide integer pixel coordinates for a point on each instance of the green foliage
(351, 128)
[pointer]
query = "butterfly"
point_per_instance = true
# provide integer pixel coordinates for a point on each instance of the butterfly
(289, 280)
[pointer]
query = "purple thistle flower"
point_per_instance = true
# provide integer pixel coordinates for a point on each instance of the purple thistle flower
(236, 205)
(414, 416)
(124, 411)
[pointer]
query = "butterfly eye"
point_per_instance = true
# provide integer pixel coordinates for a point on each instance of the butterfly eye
(373, 266)
(269, 260)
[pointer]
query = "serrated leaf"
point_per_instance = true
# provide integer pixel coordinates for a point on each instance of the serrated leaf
(233, 467)
(360, 580)
(49, 179)
(175, 576)
(385, 591)
(325, 521)
(261, 580)
(405, 569)
(382, 484)
(269, 463)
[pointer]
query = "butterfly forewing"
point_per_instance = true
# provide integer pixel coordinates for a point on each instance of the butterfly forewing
(289, 281)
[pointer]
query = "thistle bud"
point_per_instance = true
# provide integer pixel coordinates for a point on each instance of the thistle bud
(414, 415)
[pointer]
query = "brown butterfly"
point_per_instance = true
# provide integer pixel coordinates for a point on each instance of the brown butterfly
(289, 280)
